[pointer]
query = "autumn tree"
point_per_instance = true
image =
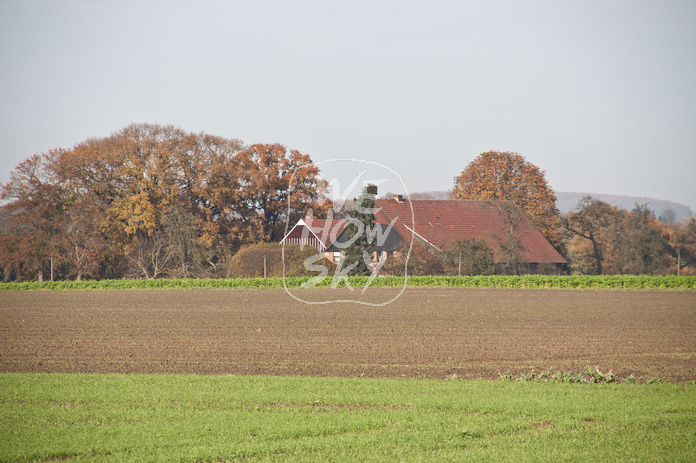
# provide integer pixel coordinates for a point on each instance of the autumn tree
(149, 179)
(211, 177)
(616, 241)
(681, 241)
(278, 186)
(148, 255)
(186, 256)
(642, 249)
(153, 199)
(32, 217)
(496, 175)
(80, 243)
(598, 223)
(508, 242)
(136, 174)
(133, 177)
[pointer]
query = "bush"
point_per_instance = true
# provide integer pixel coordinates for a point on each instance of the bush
(469, 257)
(423, 260)
(249, 261)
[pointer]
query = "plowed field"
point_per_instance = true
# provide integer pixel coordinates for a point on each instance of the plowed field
(433, 333)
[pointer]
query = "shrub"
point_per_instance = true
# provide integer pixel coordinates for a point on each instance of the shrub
(248, 262)
(597, 376)
(423, 260)
(469, 257)
(589, 376)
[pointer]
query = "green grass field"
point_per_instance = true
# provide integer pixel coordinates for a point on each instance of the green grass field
(57, 417)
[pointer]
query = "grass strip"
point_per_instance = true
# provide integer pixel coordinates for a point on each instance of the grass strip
(650, 282)
(221, 418)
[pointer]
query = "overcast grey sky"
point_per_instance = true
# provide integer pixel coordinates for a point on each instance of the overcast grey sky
(600, 94)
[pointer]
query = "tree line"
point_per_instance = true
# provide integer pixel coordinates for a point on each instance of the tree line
(605, 240)
(155, 201)
(596, 238)
(150, 201)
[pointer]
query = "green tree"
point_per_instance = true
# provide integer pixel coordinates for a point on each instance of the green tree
(359, 252)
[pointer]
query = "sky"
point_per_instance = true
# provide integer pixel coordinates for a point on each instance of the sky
(599, 94)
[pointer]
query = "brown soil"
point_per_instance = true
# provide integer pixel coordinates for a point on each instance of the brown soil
(433, 333)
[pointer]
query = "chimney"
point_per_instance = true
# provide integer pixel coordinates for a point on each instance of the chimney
(399, 198)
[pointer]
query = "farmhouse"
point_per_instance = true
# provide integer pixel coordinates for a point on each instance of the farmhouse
(436, 223)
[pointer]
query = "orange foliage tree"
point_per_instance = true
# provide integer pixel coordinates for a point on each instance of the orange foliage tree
(599, 224)
(496, 175)
(31, 218)
(277, 187)
(681, 239)
(150, 200)
(604, 239)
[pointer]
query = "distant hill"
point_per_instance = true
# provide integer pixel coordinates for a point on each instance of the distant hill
(567, 201)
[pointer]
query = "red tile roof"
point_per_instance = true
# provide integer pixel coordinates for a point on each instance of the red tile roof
(439, 222)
